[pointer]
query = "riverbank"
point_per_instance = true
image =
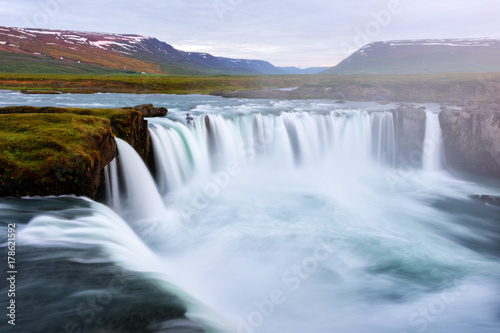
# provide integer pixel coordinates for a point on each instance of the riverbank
(435, 88)
(146, 84)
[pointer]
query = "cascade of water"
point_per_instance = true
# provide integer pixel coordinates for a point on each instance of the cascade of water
(100, 226)
(180, 153)
(288, 139)
(383, 142)
(142, 195)
(112, 186)
(432, 159)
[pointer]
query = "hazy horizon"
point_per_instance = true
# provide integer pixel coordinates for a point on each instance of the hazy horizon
(292, 33)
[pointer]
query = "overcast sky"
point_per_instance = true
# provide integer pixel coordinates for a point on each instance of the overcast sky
(286, 33)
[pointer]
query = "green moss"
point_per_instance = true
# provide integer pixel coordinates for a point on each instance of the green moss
(51, 146)
(33, 146)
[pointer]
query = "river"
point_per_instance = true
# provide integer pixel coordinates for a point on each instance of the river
(259, 216)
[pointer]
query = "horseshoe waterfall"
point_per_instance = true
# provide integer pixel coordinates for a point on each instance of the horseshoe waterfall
(263, 216)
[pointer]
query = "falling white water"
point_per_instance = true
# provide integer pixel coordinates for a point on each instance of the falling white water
(206, 143)
(432, 151)
(383, 140)
(112, 186)
(308, 177)
(99, 225)
(142, 195)
(178, 154)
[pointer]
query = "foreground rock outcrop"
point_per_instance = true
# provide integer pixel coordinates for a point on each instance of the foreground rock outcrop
(76, 170)
(57, 151)
(472, 138)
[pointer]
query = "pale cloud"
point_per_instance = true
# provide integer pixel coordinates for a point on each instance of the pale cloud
(293, 32)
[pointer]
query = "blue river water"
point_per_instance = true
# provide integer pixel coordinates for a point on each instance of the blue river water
(259, 216)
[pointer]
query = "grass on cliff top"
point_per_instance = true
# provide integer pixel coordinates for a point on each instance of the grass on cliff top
(36, 142)
(182, 84)
(138, 83)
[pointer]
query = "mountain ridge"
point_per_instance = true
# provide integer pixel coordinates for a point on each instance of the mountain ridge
(82, 50)
(423, 56)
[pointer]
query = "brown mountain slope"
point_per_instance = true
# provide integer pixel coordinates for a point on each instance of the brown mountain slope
(83, 48)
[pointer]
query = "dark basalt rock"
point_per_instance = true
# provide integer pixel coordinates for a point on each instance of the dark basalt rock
(134, 130)
(91, 297)
(409, 126)
(41, 92)
(148, 110)
(487, 199)
(63, 180)
(472, 138)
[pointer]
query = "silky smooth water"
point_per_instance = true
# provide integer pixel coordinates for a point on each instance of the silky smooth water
(433, 135)
(266, 216)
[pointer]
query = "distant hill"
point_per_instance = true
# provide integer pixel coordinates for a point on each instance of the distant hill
(25, 50)
(423, 57)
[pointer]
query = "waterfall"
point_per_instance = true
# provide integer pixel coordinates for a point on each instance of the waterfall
(208, 142)
(142, 195)
(112, 186)
(99, 225)
(383, 142)
(180, 153)
(255, 209)
(432, 157)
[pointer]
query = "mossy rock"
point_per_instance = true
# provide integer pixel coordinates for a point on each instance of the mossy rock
(55, 151)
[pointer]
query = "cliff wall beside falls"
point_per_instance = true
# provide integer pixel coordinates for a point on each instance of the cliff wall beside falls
(409, 131)
(472, 138)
